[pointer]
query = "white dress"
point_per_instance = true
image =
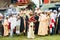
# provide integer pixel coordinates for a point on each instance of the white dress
(12, 20)
(30, 31)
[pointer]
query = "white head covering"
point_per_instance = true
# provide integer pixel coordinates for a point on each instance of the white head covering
(36, 8)
(11, 6)
(50, 10)
(35, 11)
(59, 8)
(55, 11)
(1, 15)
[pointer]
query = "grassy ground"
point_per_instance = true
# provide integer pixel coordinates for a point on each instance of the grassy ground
(21, 37)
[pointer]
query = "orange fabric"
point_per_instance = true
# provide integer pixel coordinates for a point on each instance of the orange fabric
(46, 1)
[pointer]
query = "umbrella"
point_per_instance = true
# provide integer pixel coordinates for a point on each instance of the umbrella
(46, 6)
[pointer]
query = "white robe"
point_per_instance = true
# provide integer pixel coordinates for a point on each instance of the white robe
(12, 20)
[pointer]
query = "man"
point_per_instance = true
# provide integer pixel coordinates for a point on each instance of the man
(12, 20)
(1, 27)
(52, 23)
(22, 22)
(55, 16)
(58, 28)
(26, 22)
(36, 23)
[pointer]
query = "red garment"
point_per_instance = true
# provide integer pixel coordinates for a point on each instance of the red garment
(52, 20)
(14, 29)
(50, 25)
(32, 19)
(9, 26)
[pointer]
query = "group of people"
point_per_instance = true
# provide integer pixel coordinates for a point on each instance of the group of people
(31, 23)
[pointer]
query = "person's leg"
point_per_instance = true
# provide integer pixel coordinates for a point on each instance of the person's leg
(11, 32)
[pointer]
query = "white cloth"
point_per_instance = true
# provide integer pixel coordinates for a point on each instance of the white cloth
(58, 14)
(18, 22)
(18, 32)
(52, 15)
(1, 15)
(50, 30)
(30, 33)
(12, 20)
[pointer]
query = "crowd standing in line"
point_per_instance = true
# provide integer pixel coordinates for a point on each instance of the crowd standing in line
(31, 23)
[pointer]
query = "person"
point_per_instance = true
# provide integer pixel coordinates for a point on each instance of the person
(27, 11)
(18, 25)
(6, 24)
(1, 26)
(22, 22)
(37, 9)
(42, 31)
(58, 28)
(30, 33)
(47, 21)
(36, 23)
(55, 16)
(12, 20)
(25, 22)
(52, 23)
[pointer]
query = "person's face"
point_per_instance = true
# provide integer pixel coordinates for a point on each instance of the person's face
(37, 8)
(35, 13)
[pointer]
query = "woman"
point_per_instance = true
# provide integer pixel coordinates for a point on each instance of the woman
(6, 24)
(42, 25)
(47, 22)
(31, 26)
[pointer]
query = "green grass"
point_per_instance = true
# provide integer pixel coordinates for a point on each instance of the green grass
(21, 37)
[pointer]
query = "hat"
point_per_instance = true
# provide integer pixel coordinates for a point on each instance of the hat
(35, 11)
(59, 8)
(50, 10)
(1, 15)
(36, 7)
(11, 5)
(55, 11)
